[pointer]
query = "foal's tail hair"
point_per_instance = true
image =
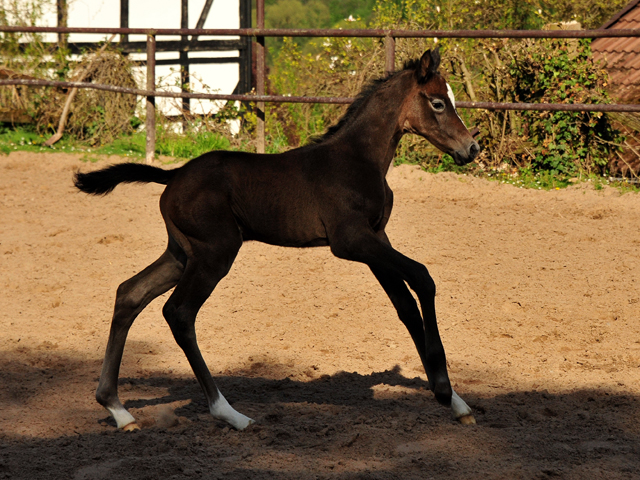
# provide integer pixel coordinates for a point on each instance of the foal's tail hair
(104, 181)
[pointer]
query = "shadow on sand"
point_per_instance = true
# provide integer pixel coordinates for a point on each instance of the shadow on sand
(344, 426)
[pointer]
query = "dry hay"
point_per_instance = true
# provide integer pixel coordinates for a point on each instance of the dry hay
(96, 116)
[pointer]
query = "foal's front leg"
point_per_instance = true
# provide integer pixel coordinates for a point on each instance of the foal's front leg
(360, 243)
(408, 312)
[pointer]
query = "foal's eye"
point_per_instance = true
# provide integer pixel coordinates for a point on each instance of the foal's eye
(437, 105)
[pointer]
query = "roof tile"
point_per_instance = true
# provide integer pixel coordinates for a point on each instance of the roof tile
(622, 54)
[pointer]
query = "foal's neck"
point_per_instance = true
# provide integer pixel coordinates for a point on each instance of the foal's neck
(376, 130)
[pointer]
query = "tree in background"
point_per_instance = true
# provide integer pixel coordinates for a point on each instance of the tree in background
(313, 14)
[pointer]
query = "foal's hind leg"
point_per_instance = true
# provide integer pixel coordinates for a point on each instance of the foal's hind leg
(132, 297)
(205, 268)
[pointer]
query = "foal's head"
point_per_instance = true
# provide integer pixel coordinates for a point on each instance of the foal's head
(431, 112)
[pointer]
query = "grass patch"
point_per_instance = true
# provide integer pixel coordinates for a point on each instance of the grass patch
(625, 186)
(25, 138)
(526, 178)
(125, 146)
(190, 145)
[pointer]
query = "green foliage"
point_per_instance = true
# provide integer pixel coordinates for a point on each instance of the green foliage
(313, 14)
(561, 143)
(191, 144)
(563, 72)
(494, 14)
(459, 14)
(338, 68)
(296, 14)
(541, 71)
(591, 14)
(529, 71)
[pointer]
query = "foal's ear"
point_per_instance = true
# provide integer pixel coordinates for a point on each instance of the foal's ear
(429, 63)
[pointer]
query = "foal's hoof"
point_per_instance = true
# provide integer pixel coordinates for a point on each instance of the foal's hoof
(131, 427)
(467, 420)
(242, 422)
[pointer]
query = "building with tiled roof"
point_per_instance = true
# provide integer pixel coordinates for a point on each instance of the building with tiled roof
(622, 55)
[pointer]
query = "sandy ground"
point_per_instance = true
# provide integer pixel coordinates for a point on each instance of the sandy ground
(538, 303)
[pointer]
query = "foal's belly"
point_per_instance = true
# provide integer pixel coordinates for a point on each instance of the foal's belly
(283, 224)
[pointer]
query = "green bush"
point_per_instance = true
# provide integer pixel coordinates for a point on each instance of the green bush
(563, 71)
(542, 71)
(338, 67)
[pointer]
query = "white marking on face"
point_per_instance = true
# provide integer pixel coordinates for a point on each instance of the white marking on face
(458, 406)
(453, 102)
(222, 410)
(451, 97)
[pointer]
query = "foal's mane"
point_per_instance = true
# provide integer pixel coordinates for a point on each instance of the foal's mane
(360, 99)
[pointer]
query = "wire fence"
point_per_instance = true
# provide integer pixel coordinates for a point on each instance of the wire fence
(260, 98)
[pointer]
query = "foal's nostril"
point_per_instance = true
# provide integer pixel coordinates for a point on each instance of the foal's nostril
(474, 149)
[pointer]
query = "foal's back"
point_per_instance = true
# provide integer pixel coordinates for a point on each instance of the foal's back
(282, 199)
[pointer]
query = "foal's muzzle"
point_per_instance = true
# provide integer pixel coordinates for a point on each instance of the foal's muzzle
(464, 156)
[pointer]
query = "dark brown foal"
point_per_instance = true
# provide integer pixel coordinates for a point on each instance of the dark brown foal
(329, 193)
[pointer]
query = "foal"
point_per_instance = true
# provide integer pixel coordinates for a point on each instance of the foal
(332, 193)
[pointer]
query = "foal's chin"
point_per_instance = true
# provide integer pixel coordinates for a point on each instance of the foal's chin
(460, 160)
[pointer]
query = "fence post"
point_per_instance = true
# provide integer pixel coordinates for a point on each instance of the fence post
(151, 100)
(390, 54)
(124, 20)
(260, 70)
(63, 15)
(389, 63)
(184, 63)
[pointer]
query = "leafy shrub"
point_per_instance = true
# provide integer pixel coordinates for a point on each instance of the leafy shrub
(544, 71)
(562, 71)
(338, 67)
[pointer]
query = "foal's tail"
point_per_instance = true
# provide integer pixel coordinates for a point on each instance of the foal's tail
(104, 181)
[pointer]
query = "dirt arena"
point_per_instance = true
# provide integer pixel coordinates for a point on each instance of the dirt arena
(539, 310)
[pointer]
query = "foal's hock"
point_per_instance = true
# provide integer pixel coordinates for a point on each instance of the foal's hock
(332, 192)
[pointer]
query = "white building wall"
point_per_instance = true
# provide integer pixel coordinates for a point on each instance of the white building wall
(218, 78)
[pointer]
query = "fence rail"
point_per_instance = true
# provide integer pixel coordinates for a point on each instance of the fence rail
(543, 107)
(335, 32)
(260, 33)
